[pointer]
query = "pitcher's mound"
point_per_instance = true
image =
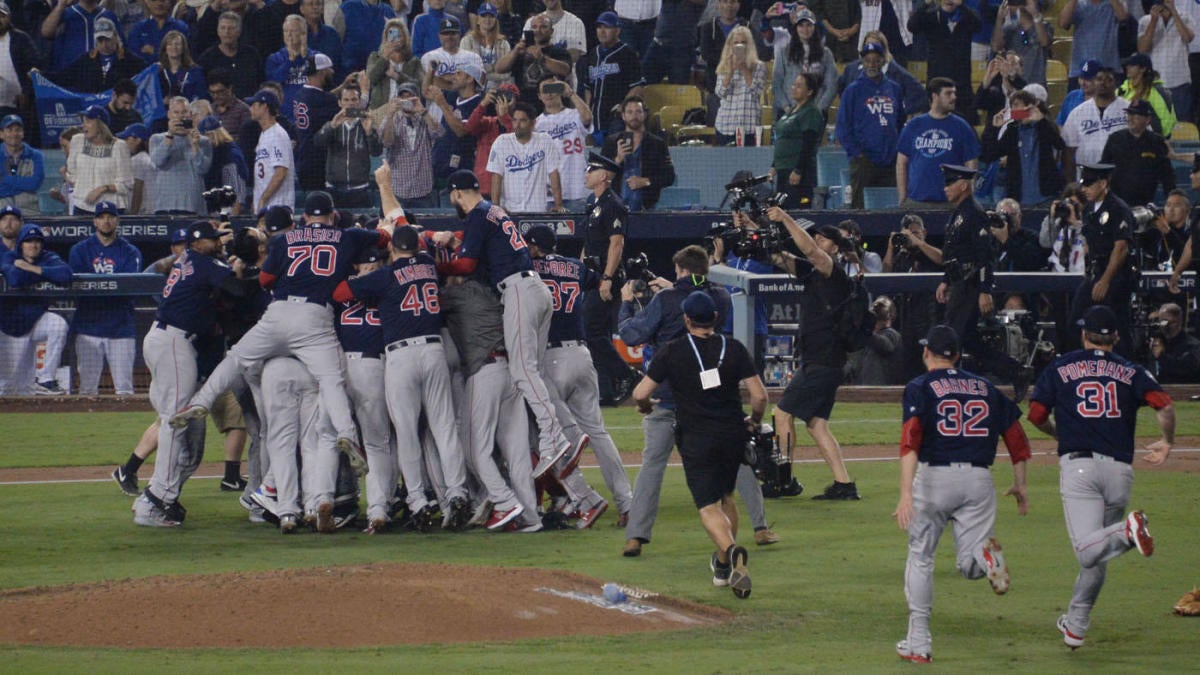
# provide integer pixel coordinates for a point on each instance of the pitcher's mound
(357, 606)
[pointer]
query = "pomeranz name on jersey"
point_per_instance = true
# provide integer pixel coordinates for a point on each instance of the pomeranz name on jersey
(1078, 370)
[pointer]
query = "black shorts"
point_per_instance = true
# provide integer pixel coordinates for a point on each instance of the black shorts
(711, 464)
(811, 392)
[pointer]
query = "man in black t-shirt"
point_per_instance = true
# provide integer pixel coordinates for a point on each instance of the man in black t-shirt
(529, 63)
(704, 370)
(825, 289)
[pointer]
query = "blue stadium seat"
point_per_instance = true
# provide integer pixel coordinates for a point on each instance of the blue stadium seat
(50, 206)
(830, 163)
(880, 198)
(678, 198)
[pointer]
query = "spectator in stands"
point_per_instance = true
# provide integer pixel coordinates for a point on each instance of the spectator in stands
(322, 38)
(637, 19)
(146, 35)
(439, 65)
(673, 49)
(62, 192)
(392, 65)
(101, 68)
(365, 21)
(890, 18)
(802, 51)
(288, 66)
(74, 26)
(1095, 36)
(840, 20)
(408, 132)
(18, 56)
(568, 31)
(710, 42)
(98, 166)
(312, 106)
(612, 71)
(490, 119)
(120, 108)
(203, 32)
(25, 321)
(1174, 355)
(1141, 158)
(274, 171)
(1142, 82)
(137, 139)
(523, 165)
(528, 63)
(1061, 232)
(1029, 37)
(242, 61)
(348, 142)
(229, 166)
(646, 166)
(1164, 35)
(178, 75)
(427, 27)
(232, 110)
(1030, 146)
(181, 156)
(869, 119)
(104, 325)
(486, 41)
(568, 128)
(1002, 78)
(511, 14)
(265, 27)
(1017, 249)
(1091, 123)
(797, 135)
(948, 25)
(741, 80)
(1087, 87)
(876, 364)
(1175, 224)
(25, 167)
(455, 148)
(915, 99)
(248, 135)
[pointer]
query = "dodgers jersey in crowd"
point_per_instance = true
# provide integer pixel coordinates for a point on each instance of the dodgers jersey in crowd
(1094, 396)
(274, 149)
(310, 261)
(929, 143)
(490, 236)
(447, 63)
(951, 415)
(1087, 129)
(187, 299)
(406, 293)
(110, 317)
(567, 130)
(568, 279)
(526, 169)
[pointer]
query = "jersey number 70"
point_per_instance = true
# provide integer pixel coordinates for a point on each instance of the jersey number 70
(322, 259)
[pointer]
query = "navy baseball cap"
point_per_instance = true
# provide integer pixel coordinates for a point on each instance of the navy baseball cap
(1090, 68)
(369, 254)
(10, 120)
(463, 179)
(264, 96)
(405, 238)
(319, 203)
(957, 172)
(1094, 172)
(10, 210)
(598, 161)
(700, 308)
(137, 130)
(31, 231)
(872, 48)
(408, 88)
(487, 9)
(202, 229)
(4, 9)
(277, 218)
(97, 112)
(542, 236)
(179, 235)
(1099, 319)
(106, 207)
(942, 340)
(210, 123)
(449, 24)
(609, 19)
(805, 14)
(1138, 59)
(1140, 107)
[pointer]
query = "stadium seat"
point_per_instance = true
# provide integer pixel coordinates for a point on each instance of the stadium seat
(696, 132)
(1056, 71)
(682, 95)
(678, 198)
(669, 118)
(1055, 93)
(978, 70)
(919, 70)
(1185, 131)
(1060, 49)
(830, 162)
(880, 198)
(50, 206)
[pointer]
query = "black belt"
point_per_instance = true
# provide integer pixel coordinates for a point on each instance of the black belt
(412, 342)
(977, 465)
(163, 325)
(638, 22)
(1088, 454)
(523, 274)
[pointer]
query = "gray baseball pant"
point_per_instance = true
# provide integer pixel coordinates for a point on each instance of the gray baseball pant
(498, 417)
(527, 312)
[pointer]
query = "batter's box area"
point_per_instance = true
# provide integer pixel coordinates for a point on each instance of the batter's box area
(351, 606)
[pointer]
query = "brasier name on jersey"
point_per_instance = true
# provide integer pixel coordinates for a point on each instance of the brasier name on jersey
(949, 386)
(1096, 368)
(313, 234)
(412, 273)
(517, 163)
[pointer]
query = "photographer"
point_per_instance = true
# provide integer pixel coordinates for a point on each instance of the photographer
(736, 235)
(876, 364)
(182, 156)
(1018, 249)
(907, 251)
(856, 258)
(1061, 232)
(349, 141)
(1175, 355)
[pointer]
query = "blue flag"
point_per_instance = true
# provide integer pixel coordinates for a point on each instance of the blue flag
(60, 109)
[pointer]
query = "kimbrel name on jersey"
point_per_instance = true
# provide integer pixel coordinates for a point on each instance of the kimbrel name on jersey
(416, 273)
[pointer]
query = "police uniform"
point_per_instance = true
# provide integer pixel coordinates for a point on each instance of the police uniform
(1104, 225)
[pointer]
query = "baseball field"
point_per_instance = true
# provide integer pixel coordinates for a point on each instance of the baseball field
(221, 594)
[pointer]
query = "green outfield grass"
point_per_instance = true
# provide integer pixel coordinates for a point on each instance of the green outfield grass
(830, 596)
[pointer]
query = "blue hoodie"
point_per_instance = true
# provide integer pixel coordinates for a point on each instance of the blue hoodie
(19, 314)
(425, 29)
(869, 119)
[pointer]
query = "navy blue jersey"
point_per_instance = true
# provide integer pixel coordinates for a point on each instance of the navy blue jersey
(18, 315)
(189, 298)
(109, 316)
(568, 279)
(406, 293)
(311, 109)
(959, 416)
(491, 238)
(311, 261)
(451, 152)
(1094, 396)
(359, 328)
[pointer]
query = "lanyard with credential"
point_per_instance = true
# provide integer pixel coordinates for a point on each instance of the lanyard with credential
(711, 378)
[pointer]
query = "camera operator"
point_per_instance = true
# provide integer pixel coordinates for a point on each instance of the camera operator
(749, 263)
(1174, 355)
(966, 287)
(1019, 250)
(1186, 259)
(1108, 232)
(858, 259)
(349, 141)
(876, 364)
(1062, 232)
(1173, 226)
(907, 251)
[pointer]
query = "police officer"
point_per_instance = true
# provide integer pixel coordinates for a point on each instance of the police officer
(966, 287)
(604, 239)
(1108, 233)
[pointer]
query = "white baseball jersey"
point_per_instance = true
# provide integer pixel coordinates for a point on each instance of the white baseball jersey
(526, 170)
(143, 170)
(448, 63)
(274, 150)
(1087, 130)
(567, 130)
(1169, 52)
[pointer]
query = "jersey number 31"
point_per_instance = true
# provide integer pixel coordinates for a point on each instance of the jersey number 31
(1097, 400)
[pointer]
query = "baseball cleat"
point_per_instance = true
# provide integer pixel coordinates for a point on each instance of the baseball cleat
(482, 512)
(458, 514)
(127, 481)
(588, 517)
(191, 412)
(840, 492)
(1070, 639)
(422, 520)
(48, 388)
(344, 514)
(633, 548)
(739, 576)
(521, 527)
(622, 520)
(765, 537)
(499, 519)
(236, 485)
(264, 497)
(570, 461)
(546, 461)
(905, 652)
(354, 453)
(1137, 533)
(376, 526)
(997, 568)
(720, 570)
(325, 518)
(287, 523)
(148, 514)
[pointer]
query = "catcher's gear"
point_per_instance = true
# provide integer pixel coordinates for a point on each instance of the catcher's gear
(1189, 604)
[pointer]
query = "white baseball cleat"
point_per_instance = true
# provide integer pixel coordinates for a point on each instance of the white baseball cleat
(1070, 639)
(353, 452)
(997, 568)
(1138, 534)
(904, 651)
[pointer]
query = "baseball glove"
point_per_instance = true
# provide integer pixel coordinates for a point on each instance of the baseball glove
(1189, 604)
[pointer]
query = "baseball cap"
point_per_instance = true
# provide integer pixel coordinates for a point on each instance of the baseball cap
(202, 229)
(957, 172)
(1139, 107)
(1038, 91)
(1099, 319)
(463, 179)
(598, 161)
(1138, 59)
(96, 112)
(700, 308)
(210, 123)
(471, 68)
(106, 207)
(1088, 70)
(942, 340)
(609, 19)
(10, 120)
(277, 218)
(1094, 172)
(137, 130)
(369, 254)
(405, 238)
(408, 88)
(449, 24)
(487, 9)
(805, 15)
(10, 210)
(264, 96)
(318, 203)
(542, 236)
(4, 9)
(872, 48)
(104, 27)
(319, 62)
(31, 231)
(179, 235)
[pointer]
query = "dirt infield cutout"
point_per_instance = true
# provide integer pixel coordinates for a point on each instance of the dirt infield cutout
(328, 607)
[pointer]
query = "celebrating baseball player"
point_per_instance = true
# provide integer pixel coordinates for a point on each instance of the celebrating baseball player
(290, 403)
(1094, 395)
(952, 421)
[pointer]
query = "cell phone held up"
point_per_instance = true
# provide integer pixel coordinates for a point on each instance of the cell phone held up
(1019, 115)
(554, 88)
(527, 38)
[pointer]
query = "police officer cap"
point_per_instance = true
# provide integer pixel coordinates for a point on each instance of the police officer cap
(956, 172)
(318, 203)
(10, 210)
(202, 229)
(1099, 319)
(405, 238)
(598, 161)
(463, 179)
(1094, 172)
(542, 236)
(942, 340)
(277, 218)
(700, 308)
